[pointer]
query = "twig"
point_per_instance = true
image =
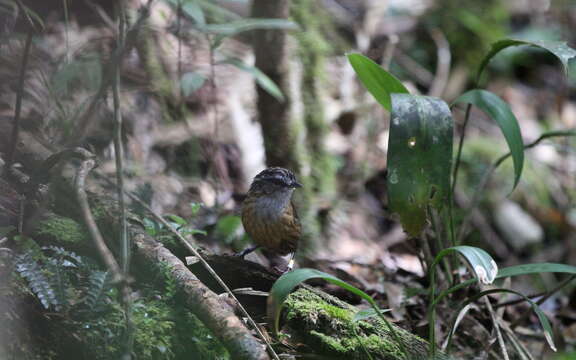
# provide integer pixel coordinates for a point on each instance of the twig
(86, 165)
(389, 50)
(443, 60)
(205, 264)
(119, 157)
(19, 96)
(496, 325)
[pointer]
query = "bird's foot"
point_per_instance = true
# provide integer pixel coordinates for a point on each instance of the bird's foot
(246, 251)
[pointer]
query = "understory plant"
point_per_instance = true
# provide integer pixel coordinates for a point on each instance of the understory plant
(421, 184)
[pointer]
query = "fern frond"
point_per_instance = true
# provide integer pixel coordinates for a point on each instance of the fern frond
(29, 269)
(96, 291)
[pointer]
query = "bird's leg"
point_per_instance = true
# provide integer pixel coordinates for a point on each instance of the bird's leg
(247, 251)
(291, 262)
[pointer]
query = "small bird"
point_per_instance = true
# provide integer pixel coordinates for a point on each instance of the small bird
(269, 216)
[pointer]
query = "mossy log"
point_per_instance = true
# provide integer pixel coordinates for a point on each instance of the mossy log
(325, 324)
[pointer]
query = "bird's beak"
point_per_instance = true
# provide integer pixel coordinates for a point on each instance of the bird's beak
(296, 184)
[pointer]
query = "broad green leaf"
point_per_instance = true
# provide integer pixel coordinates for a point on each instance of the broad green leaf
(238, 26)
(481, 263)
(548, 334)
(287, 282)
(379, 82)
(419, 158)
(559, 48)
(262, 79)
(498, 110)
(191, 82)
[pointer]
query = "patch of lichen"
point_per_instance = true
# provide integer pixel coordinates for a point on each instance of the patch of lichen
(329, 327)
(62, 230)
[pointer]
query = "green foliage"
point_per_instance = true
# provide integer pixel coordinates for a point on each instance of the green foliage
(62, 280)
(379, 82)
(287, 282)
(261, 79)
(419, 158)
(160, 233)
(558, 48)
(470, 26)
(228, 227)
(408, 118)
(62, 230)
(501, 113)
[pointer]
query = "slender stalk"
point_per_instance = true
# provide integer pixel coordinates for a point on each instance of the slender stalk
(432, 314)
(178, 35)
(66, 28)
(19, 96)
(460, 145)
(119, 156)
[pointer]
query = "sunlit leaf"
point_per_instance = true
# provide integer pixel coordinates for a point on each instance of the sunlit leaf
(262, 79)
(379, 82)
(559, 48)
(481, 263)
(419, 158)
(498, 110)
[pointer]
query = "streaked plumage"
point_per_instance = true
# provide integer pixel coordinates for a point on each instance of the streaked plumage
(268, 214)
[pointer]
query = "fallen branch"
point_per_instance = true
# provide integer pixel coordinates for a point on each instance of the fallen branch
(211, 309)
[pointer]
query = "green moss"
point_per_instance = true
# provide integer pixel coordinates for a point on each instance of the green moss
(326, 325)
(62, 229)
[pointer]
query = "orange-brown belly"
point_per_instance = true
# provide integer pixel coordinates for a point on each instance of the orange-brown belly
(280, 235)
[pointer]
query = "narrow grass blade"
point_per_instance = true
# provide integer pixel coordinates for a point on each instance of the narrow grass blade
(498, 110)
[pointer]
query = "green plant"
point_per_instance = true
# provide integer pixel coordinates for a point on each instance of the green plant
(420, 128)
(62, 280)
(217, 24)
